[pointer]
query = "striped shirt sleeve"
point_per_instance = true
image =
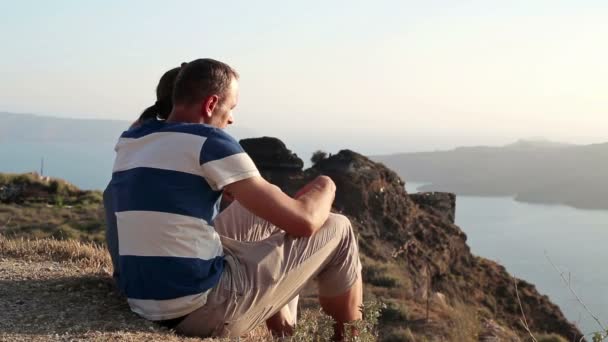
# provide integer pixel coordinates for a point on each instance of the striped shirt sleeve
(223, 161)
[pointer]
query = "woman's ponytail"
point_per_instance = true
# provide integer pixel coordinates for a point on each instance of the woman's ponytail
(161, 109)
(149, 113)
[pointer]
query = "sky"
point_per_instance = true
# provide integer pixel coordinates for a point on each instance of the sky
(373, 76)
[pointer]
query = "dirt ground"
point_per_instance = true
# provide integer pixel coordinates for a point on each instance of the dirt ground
(62, 291)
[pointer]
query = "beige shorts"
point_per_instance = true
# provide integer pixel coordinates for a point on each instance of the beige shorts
(266, 268)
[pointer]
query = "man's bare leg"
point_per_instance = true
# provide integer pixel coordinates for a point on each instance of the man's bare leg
(282, 323)
(345, 307)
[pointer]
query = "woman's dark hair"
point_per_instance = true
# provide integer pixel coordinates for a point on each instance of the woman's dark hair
(164, 91)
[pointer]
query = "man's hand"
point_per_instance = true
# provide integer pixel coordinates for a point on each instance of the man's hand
(319, 182)
(301, 216)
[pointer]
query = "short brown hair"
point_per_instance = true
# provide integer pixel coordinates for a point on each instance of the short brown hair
(201, 78)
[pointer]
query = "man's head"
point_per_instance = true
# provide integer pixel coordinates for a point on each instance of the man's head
(208, 90)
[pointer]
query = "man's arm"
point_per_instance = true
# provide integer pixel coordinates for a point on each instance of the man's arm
(301, 216)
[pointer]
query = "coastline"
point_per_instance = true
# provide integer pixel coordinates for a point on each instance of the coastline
(529, 198)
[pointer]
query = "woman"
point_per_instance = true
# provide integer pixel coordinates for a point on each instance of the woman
(160, 110)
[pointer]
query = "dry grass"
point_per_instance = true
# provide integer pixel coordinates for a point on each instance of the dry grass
(62, 291)
(465, 324)
(84, 254)
(83, 222)
(34, 206)
(53, 290)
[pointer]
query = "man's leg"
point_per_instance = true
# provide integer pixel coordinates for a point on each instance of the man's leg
(237, 223)
(261, 277)
(274, 270)
(344, 308)
(282, 323)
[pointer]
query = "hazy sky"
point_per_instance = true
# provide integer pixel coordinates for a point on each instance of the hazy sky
(376, 76)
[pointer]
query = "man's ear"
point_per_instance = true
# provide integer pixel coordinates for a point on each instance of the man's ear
(209, 105)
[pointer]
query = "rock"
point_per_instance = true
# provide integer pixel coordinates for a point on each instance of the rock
(440, 203)
(412, 251)
(275, 162)
(392, 230)
(438, 299)
(494, 332)
(271, 153)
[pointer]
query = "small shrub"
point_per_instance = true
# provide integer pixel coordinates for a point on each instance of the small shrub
(367, 327)
(89, 227)
(379, 276)
(312, 327)
(54, 187)
(58, 200)
(316, 326)
(394, 313)
(399, 335)
(599, 336)
(318, 156)
(23, 179)
(491, 304)
(65, 232)
(91, 197)
(59, 187)
(465, 324)
(550, 338)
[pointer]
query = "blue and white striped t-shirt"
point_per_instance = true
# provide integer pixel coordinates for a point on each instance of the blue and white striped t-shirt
(166, 184)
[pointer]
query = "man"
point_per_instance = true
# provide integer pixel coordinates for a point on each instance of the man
(221, 277)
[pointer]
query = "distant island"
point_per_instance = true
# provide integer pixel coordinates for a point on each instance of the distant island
(534, 171)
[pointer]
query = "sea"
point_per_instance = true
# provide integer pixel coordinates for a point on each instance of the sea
(559, 249)
(87, 165)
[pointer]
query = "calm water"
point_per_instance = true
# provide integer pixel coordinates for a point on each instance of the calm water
(520, 236)
(88, 166)
(517, 235)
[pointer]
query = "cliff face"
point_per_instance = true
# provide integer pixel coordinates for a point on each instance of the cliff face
(439, 203)
(413, 251)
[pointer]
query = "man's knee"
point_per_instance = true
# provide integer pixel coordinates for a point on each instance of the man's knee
(343, 229)
(339, 222)
(345, 267)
